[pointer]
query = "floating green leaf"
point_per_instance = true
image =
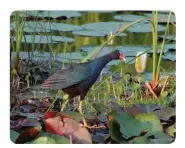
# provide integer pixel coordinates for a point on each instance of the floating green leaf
(52, 14)
(13, 135)
(162, 17)
(140, 140)
(129, 125)
(115, 133)
(165, 113)
(141, 28)
(150, 118)
(129, 17)
(48, 138)
(44, 39)
(77, 116)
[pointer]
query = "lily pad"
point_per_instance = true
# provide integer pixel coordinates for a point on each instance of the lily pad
(28, 134)
(64, 27)
(101, 11)
(31, 26)
(165, 113)
(168, 37)
(13, 135)
(151, 118)
(162, 17)
(170, 56)
(114, 132)
(44, 39)
(140, 140)
(129, 17)
(67, 127)
(129, 125)
(143, 28)
(161, 138)
(95, 33)
(88, 33)
(75, 57)
(148, 108)
(101, 108)
(51, 14)
(48, 138)
(105, 26)
(77, 116)
(171, 130)
(30, 123)
(167, 47)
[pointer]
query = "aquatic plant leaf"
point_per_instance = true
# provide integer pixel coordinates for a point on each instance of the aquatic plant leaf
(51, 14)
(29, 123)
(33, 26)
(148, 108)
(50, 114)
(162, 17)
(134, 110)
(129, 17)
(168, 37)
(101, 108)
(161, 138)
(44, 39)
(142, 28)
(151, 118)
(91, 116)
(165, 113)
(140, 140)
(28, 134)
(48, 138)
(13, 135)
(171, 130)
(129, 125)
(98, 139)
(89, 33)
(67, 127)
(27, 108)
(75, 115)
(114, 132)
(170, 56)
(105, 26)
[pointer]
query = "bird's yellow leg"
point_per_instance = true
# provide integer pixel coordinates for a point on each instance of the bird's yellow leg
(81, 112)
(83, 118)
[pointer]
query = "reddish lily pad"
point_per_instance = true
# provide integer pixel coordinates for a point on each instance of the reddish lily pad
(50, 114)
(68, 127)
(28, 134)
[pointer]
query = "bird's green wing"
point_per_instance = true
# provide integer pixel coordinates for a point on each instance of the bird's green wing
(68, 77)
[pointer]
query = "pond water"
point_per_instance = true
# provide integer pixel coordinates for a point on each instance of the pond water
(71, 35)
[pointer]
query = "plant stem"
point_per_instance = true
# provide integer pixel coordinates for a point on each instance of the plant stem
(162, 48)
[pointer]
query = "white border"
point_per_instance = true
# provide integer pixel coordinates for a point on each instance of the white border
(8, 6)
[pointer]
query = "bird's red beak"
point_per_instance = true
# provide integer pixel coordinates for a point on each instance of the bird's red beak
(122, 57)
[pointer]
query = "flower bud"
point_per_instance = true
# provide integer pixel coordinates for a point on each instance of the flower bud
(140, 63)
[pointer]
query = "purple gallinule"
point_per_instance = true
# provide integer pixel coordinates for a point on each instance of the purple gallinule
(78, 79)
